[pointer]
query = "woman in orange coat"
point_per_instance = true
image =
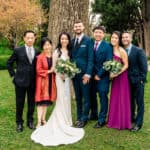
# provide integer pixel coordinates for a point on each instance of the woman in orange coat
(45, 81)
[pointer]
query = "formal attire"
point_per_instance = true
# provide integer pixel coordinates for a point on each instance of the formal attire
(58, 129)
(102, 53)
(24, 80)
(119, 115)
(137, 72)
(83, 55)
(45, 83)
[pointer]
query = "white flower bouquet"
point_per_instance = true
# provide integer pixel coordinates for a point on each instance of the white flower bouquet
(112, 66)
(67, 68)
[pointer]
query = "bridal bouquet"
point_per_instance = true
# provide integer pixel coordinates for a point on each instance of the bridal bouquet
(112, 66)
(67, 68)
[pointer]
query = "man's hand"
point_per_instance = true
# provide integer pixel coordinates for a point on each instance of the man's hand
(86, 79)
(97, 78)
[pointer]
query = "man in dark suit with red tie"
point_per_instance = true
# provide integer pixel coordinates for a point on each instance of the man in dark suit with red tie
(100, 80)
(24, 78)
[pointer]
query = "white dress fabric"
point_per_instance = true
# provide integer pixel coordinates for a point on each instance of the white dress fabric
(58, 130)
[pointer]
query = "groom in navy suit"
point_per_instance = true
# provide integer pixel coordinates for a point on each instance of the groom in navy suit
(100, 80)
(82, 54)
(137, 72)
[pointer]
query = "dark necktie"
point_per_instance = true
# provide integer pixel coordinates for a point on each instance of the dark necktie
(127, 50)
(95, 46)
(76, 43)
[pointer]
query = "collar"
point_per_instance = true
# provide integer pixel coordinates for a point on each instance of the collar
(80, 37)
(129, 47)
(99, 42)
(28, 47)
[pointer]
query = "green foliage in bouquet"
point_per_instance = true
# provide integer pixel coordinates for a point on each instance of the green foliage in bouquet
(112, 66)
(67, 68)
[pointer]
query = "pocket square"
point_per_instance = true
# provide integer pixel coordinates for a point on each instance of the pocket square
(82, 45)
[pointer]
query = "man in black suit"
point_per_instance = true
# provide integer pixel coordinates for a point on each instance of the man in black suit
(137, 72)
(24, 78)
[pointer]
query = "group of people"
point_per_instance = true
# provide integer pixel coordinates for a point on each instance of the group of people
(36, 75)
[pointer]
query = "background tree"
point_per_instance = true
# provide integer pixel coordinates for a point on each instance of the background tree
(118, 15)
(44, 27)
(146, 25)
(18, 16)
(126, 15)
(63, 14)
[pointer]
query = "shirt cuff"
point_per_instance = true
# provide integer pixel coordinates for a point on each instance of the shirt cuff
(87, 75)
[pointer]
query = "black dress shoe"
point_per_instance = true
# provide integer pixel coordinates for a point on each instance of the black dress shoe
(19, 128)
(136, 128)
(77, 122)
(31, 125)
(99, 125)
(81, 124)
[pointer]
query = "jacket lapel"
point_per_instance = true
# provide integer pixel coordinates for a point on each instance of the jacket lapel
(77, 47)
(100, 47)
(25, 53)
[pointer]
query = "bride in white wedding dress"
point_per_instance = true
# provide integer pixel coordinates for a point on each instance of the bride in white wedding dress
(58, 130)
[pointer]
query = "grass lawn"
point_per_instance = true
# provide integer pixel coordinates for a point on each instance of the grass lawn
(94, 139)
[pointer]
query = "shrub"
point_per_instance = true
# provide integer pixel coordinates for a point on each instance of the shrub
(3, 61)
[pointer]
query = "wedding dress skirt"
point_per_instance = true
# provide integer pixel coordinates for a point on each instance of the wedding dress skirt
(58, 130)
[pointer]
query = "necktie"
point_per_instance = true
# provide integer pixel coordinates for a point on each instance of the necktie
(76, 43)
(95, 46)
(30, 55)
(127, 50)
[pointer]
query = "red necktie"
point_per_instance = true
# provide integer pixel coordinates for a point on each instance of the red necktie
(95, 46)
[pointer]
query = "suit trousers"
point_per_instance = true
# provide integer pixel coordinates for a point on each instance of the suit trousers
(102, 88)
(137, 99)
(82, 93)
(20, 100)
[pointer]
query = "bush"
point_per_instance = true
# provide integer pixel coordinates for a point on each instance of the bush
(3, 61)
(5, 51)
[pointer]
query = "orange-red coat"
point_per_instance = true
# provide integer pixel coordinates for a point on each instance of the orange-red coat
(42, 81)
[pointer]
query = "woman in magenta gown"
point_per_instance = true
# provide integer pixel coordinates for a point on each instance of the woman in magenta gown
(119, 116)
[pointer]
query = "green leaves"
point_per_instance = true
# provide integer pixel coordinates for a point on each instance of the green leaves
(118, 15)
(112, 66)
(67, 68)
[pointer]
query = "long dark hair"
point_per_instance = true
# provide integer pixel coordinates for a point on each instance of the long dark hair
(59, 46)
(119, 36)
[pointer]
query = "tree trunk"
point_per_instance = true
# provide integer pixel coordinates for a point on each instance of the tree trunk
(146, 14)
(147, 37)
(63, 14)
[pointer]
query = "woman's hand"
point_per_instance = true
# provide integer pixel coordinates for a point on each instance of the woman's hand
(112, 75)
(50, 70)
(62, 77)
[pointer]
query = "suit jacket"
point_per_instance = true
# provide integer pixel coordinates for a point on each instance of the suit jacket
(104, 53)
(25, 72)
(42, 81)
(137, 70)
(83, 55)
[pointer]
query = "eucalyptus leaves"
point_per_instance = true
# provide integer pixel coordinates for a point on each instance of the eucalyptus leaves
(112, 66)
(67, 68)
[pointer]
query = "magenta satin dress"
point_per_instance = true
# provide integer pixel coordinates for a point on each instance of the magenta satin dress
(119, 115)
